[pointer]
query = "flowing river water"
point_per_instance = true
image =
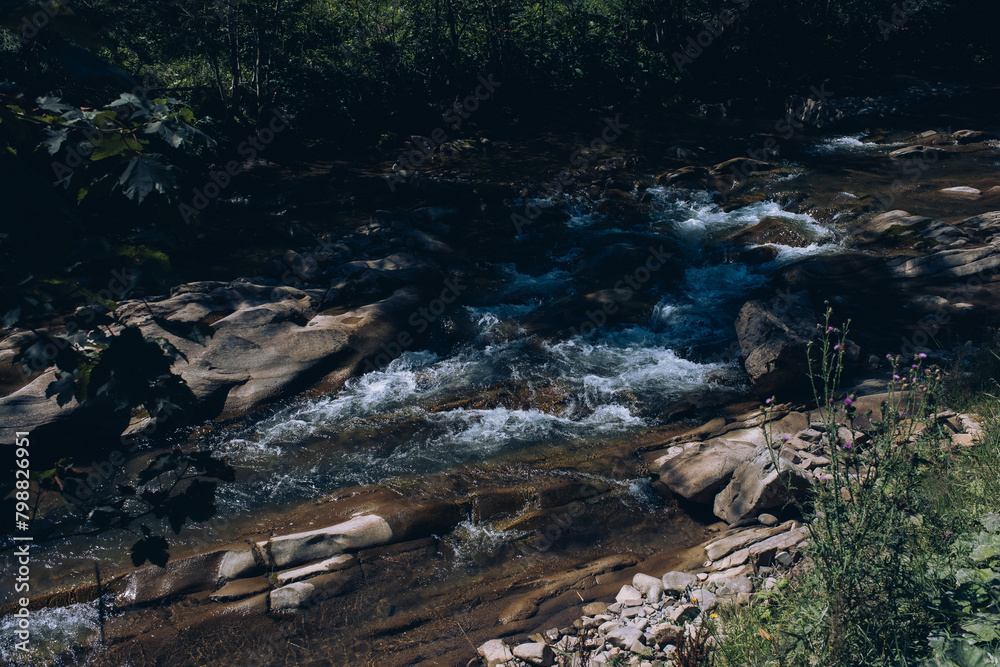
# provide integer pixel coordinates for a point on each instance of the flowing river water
(513, 392)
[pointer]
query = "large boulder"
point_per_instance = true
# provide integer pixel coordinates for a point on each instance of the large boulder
(764, 481)
(773, 336)
(700, 470)
(289, 345)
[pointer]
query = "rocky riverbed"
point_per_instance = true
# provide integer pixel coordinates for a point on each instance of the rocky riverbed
(453, 423)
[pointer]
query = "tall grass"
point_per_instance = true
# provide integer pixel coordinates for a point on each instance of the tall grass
(889, 523)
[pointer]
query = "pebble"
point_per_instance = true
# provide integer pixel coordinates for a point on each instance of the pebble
(768, 519)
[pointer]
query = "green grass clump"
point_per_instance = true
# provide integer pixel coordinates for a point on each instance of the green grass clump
(903, 559)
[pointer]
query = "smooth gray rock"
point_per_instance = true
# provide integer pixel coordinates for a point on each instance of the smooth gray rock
(291, 597)
(678, 582)
(357, 533)
(773, 336)
(763, 482)
(651, 587)
(495, 653)
(625, 636)
(535, 653)
(701, 470)
(705, 598)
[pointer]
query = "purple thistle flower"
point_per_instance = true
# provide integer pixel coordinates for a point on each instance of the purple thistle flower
(847, 401)
(836, 347)
(888, 356)
(829, 328)
(848, 445)
(921, 356)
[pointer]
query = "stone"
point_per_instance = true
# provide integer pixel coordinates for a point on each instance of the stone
(773, 229)
(625, 636)
(703, 469)
(651, 587)
(678, 582)
(291, 597)
(629, 596)
(241, 588)
(737, 586)
(334, 564)
(238, 564)
(971, 136)
(609, 626)
(784, 558)
(594, 608)
(357, 533)
(763, 553)
(184, 575)
(495, 653)
(726, 545)
(732, 560)
(963, 440)
(681, 613)
(962, 191)
(535, 654)
(684, 175)
(767, 519)
(773, 336)
(927, 153)
(667, 634)
(758, 484)
(705, 598)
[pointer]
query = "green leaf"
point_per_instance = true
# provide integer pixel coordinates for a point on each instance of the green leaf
(985, 546)
(146, 174)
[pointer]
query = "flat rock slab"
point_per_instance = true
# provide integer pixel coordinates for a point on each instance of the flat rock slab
(240, 588)
(701, 470)
(357, 533)
(291, 597)
(334, 564)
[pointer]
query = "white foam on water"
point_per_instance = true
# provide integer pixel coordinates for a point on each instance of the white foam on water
(697, 220)
(850, 144)
(474, 540)
(521, 284)
(53, 632)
